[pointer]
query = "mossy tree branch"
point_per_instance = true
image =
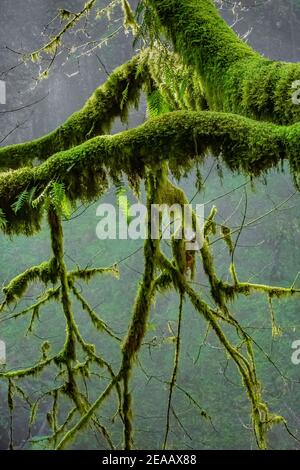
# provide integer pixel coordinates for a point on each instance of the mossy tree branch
(235, 77)
(113, 99)
(179, 138)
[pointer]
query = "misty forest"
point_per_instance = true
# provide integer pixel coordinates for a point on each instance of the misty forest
(130, 343)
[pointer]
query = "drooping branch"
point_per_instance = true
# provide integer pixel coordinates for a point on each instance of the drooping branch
(71, 371)
(47, 273)
(173, 276)
(138, 325)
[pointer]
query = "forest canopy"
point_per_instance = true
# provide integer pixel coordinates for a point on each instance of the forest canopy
(209, 95)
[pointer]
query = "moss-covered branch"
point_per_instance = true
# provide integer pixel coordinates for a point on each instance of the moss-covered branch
(262, 419)
(45, 272)
(179, 138)
(235, 77)
(112, 99)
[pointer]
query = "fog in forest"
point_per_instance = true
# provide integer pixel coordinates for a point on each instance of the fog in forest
(267, 250)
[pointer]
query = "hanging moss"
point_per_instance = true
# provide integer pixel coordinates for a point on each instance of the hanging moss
(45, 272)
(95, 319)
(87, 274)
(57, 248)
(138, 324)
(172, 274)
(114, 99)
(226, 233)
(261, 418)
(129, 19)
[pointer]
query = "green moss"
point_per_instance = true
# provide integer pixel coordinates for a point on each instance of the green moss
(141, 310)
(57, 244)
(95, 118)
(235, 78)
(226, 233)
(244, 145)
(211, 67)
(45, 272)
(30, 371)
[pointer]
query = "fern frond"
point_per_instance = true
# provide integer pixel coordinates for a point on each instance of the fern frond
(21, 201)
(57, 194)
(59, 199)
(3, 220)
(156, 104)
(124, 97)
(31, 195)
